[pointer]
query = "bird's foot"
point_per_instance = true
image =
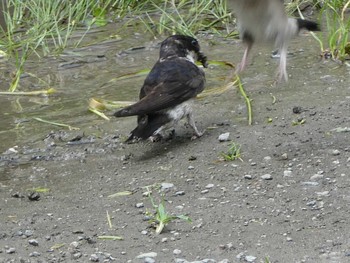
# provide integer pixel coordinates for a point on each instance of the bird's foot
(197, 135)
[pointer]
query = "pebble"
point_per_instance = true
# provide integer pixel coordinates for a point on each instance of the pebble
(190, 167)
(316, 177)
(287, 173)
(209, 186)
(28, 233)
(180, 193)
(144, 232)
(248, 176)
(284, 156)
(33, 242)
(177, 252)
(147, 255)
(94, 258)
(164, 240)
(149, 260)
(267, 158)
(310, 183)
(139, 205)
(34, 254)
(204, 191)
(266, 177)
(324, 193)
(250, 258)
(335, 152)
(77, 255)
(166, 186)
(224, 137)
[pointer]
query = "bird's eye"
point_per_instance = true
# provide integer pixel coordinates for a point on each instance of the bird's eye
(194, 42)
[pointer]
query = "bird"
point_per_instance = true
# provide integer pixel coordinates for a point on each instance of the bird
(168, 90)
(267, 21)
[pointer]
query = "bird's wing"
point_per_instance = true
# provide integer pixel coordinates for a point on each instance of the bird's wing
(169, 83)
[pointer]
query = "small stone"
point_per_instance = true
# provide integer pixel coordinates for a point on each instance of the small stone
(164, 240)
(324, 193)
(267, 158)
(317, 176)
(180, 193)
(144, 232)
(33, 242)
(28, 233)
(34, 254)
(224, 137)
(310, 183)
(209, 186)
(248, 176)
(94, 258)
(77, 255)
(289, 239)
(266, 177)
(250, 258)
(204, 191)
(335, 152)
(74, 244)
(287, 173)
(179, 207)
(284, 156)
(190, 167)
(139, 205)
(149, 260)
(10, 250)
(166, 186)
(147, 255)
(177, 252)
(297, 109)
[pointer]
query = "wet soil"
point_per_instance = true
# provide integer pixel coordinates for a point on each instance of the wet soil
(287, 200)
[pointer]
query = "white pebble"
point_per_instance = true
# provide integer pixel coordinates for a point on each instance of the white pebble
(224, 137)
(266, 177)
(147, 255)
(177, 252)
(209, 186)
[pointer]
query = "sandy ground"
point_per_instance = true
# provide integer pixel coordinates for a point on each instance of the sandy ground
(287, 200)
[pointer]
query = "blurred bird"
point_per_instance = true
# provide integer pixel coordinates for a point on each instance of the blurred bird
(267, 21)
(168, 89)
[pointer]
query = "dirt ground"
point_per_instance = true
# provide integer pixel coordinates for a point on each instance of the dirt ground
(287, 200)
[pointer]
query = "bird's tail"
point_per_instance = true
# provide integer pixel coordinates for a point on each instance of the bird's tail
(308, 25)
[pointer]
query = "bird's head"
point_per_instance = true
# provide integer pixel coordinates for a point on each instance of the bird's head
(182, 46)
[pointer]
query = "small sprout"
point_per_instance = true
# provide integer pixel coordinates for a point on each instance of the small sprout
(233, 153)
(161, 217)
(269, 120)
(298, 122)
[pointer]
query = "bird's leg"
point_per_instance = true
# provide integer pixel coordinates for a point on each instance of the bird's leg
(191, 122)
(243, 64)
(282, 71)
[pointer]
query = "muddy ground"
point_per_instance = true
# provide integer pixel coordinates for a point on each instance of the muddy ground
(287, 200)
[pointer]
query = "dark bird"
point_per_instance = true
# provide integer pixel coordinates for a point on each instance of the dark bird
(267, 21)
(165, 97)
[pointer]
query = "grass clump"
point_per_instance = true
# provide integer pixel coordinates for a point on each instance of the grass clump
(338, 26)
(161, 217)
(44, 28)
(233, 152)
